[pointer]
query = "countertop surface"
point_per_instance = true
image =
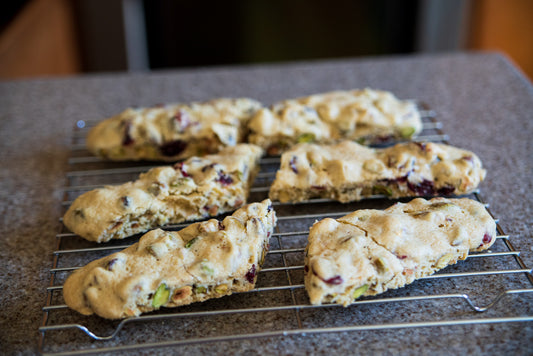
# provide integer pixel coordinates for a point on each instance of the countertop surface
(483, 101)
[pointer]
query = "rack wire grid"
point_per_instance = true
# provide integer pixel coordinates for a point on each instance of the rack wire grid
(278, 306)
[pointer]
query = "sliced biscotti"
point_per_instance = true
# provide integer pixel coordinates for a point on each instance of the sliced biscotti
(172, 132)
(370, 251)
(197, 188)
(368, 116)
(348, 171)
(205, 260)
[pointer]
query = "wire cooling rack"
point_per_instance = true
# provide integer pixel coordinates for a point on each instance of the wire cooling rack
(488, 287)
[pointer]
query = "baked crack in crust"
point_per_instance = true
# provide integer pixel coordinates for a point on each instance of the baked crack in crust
(370, 251)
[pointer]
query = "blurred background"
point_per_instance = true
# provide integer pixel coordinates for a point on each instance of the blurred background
(65, 37)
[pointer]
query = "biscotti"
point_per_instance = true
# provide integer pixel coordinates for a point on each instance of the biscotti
(348, 171)
(367, 116)
(197, 188)
(205, 260)
(172, 132)
(370, 251)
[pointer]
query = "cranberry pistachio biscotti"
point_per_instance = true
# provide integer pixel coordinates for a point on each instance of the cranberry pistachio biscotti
(348, 171)
(205, 260)
(370, 251)
(368, 116)
(197, 188)
(172, 132)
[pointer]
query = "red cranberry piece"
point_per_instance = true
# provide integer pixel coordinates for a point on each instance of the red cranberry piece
(110, 264)
(425, 187)
(383, 139)
(334, 280)
(468, 159)
(446, 190)
(487, 238)
(126, 201)
(306, 268)
(182, 119)
(127, 140)
(292, 163)
(223, 179)
(250, 275)
(173, 148)
(318, 187)
(179, 167)
(421, 145)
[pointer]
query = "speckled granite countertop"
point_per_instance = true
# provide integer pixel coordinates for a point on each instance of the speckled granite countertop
(484, 103)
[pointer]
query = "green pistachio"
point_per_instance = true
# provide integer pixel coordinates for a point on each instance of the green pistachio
(207, 269)
(190, 242)
(306, 137)
(382, 189)
(407, 132)
(161, 296)
(200, 290)
(360, 291)
(221, 289)
(444, 260)
(382, 265)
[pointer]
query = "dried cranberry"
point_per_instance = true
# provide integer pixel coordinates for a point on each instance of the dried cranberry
(318, 187)
(173, 148)
(179, 167)
(292, 163)
(127, 140)
(446, 190)
(425, 187)
(468, 159)
(224, 179)
(126, 201)
(306, 268)
(250, 275)
(421, 145)
(395, 180)
(111, 263)
(182, 119)
(402, 257)
(334, 280)
(383, 139)
(487, 238)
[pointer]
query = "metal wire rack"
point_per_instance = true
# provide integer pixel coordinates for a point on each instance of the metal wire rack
(485, 288)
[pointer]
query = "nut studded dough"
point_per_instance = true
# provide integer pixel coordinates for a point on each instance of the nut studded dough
(172, 132)
(190, 190)
(348, 171)
(370, 251)
(367, 116)
(205, 260)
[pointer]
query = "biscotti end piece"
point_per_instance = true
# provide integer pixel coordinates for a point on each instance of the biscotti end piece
(174, 131)
(205, 260)
(366, 116)
(370, 251)
(197, 188)
(347, 171)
